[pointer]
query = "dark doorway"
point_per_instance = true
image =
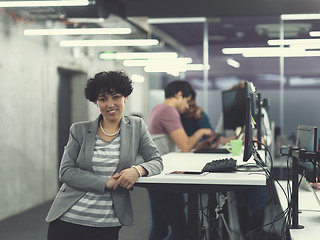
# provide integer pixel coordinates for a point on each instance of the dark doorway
(72, 106)
(64, 109)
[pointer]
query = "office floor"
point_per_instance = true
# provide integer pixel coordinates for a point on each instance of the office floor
(30, 225)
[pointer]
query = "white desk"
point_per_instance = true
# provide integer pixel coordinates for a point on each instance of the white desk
(212, 182)
(195, 162)
(309, 215)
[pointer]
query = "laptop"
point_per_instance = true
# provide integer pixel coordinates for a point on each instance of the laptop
(222, 149)
(212, 150)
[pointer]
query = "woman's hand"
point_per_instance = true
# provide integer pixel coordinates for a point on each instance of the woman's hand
(125, 179)
(110, 183)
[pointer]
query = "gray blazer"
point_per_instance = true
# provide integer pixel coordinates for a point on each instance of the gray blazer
(78, 177)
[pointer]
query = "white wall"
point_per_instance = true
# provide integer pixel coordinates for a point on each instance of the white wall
(28, 119)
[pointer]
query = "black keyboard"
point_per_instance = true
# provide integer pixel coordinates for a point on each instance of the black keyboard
(221, 165)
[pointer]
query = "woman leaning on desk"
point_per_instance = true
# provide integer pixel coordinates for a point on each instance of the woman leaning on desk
(98, 167)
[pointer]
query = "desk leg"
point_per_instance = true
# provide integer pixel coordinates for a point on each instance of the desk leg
(193, 217)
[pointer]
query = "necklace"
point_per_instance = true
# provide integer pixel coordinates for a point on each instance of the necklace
(110, 135)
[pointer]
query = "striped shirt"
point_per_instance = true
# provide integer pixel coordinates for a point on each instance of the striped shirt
(94, 209)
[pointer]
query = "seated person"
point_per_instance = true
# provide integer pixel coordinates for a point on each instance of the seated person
(194, 118)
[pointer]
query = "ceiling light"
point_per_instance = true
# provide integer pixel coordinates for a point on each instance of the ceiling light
(300, 16)
(158, 62)
(249, 50)
(196, 67)
(284, 54)
(164, 69)
(174, 68)
(176, 20)
(301, 81)
(272, 52)
(119, 42)
(175, 74)
(314, 34)
(137, 55)
(279, 42)
(77, 31)
(233, 63)
(4, 4)
(137, 78)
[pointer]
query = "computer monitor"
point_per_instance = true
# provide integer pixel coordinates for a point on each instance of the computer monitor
(248, 137)
(233, 107)
(307, 138)
(234, 104)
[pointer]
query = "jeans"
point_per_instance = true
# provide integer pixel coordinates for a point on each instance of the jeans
(168, 216)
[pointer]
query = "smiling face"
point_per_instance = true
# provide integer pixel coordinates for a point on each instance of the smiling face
(111, 106)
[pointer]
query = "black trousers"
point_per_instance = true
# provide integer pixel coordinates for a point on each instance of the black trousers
(60, 230)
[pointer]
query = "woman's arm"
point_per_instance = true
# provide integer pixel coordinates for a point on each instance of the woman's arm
(152, 161)
(71, 174)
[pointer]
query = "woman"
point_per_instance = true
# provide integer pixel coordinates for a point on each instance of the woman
(98, 165)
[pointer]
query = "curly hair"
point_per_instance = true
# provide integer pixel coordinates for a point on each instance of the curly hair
(110, 82)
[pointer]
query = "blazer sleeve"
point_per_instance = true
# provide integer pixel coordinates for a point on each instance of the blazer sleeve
(70, 172)
(149, 152)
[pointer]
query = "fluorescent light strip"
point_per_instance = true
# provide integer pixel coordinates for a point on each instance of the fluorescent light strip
(285, 54)
(137, 55)
(233, 63)
(137, 78)
(120, 42)
(165, 69)
(161, 62)
(196, 67)
(174, 69)
(311, 16)
(272, 52)
(249, 50)
(175, 74)
(314, 34)
(176, 20)
(43, 3)
(278, 42)
(78, 31)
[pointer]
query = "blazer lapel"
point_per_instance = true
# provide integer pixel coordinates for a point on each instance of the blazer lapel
(125, 142)
(90, 143)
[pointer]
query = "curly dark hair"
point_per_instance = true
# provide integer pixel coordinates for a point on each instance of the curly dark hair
(110, 82)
